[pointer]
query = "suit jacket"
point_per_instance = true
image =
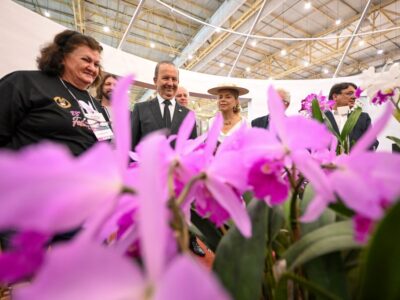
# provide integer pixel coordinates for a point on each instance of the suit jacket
(261, 122)
(146, 118)
(362, 125)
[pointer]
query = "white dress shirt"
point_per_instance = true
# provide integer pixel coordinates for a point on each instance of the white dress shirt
(171, 107)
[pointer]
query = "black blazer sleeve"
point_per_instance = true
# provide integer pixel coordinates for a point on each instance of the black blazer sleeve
(135, 126)
(261, 122)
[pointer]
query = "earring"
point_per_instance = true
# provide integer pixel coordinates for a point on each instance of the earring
(236, 108)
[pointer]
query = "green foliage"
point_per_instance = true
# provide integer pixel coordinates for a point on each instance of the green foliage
(316, 111)
(327, 271)
(381, 271)
(330, 238)
(350, 123)
(239, 262)
(282, 289)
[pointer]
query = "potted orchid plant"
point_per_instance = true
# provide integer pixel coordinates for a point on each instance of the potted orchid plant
(287, 217)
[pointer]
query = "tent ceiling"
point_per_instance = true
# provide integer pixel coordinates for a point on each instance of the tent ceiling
(201, 48)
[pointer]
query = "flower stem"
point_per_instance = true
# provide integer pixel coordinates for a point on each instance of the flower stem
(178, 220)
(128, 190)
(188, 187)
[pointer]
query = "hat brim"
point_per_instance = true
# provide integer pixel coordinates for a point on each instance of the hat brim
(240, 90)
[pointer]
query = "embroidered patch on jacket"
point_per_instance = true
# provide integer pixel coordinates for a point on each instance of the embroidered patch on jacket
(62, 102)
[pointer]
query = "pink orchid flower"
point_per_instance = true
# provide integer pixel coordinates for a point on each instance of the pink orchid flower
(87, 270)
(366, 182)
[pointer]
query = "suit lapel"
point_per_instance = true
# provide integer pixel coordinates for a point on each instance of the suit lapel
(155, 109)
(331, 118)
(179, 114)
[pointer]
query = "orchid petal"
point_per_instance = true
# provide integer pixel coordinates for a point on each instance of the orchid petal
(234, 174)
(213, 135)
(152, 214)
(84, 271)
(302, 133)
(121, 120)
(369, 137)
(314, 209)
(357, 194)
(186, 279)
(276, 111)
(313, 172)
(185, 130)
(62, 195)
(230, 202)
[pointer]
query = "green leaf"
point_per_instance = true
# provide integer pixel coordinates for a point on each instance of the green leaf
(316, 111)
(282, 289)
(341, 209)
(211, 236)
(381, 271)
(327, 271)
(330, 238)
(324, 246)
(350, 123)
(239, 262)
(276, 220)
(394, 139)
(330, 127)
(247, 197)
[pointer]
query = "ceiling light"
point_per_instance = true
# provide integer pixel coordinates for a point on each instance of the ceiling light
(217, 30)
(338, 21)
(307, 5)
(46, 14)
(190, 56)
(361, 43)
(152, 45)
(171, 55)
(221, 64)
(306, 63)
(248, 69)
(326, 71)
(283, 52)
(106, 29)
(380, 51)
(253, 43)
(270, 78)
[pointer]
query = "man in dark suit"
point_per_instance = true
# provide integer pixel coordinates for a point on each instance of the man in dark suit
(263, 122)
(162, 111)
(343, 95)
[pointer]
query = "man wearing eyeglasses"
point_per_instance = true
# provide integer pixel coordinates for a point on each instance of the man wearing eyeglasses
(344, 97)
(263, 122)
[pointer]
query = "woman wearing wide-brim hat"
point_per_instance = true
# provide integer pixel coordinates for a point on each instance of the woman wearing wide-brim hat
(229, 106)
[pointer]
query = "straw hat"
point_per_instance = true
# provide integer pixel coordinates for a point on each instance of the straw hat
(228, 86)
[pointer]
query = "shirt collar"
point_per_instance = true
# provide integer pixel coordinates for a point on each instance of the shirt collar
(161, 100)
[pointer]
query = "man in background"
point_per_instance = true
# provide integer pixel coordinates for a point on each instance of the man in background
(163, 111)
(104, 92)
(344, 97)
(182, 96)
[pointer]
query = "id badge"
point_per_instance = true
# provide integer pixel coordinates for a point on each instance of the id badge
(100, 126)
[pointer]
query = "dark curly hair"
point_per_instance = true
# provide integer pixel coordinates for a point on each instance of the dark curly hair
(52, 55)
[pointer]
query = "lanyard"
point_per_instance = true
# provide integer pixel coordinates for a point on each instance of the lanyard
(76, 99)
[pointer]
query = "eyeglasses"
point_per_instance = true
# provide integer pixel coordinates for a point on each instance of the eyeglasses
(349, 94)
